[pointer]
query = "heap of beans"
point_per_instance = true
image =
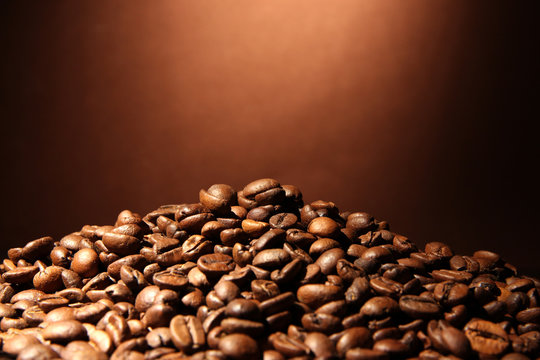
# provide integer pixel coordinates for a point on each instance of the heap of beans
(256, 274)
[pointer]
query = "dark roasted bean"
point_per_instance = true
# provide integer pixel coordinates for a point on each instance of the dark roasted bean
(256, 274)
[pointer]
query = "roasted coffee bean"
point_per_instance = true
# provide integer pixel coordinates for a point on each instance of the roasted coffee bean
(271, 258)
(137, 262)
(323, 227)
(226, 278)
(327, 261)
(321, 322)
(260, 213)
(300, 237)
(288, 346)
(379, 307)
(85, 262)
(531, 315)
(239, 346)
(170, 279)
(7, 311)
(64, 331)
(315, 295)
(454, 340)
(37, 352)
(358, 291)
(419, 307)
(20, 275)
(352, 338)
(218, 197)
(36, 249)
(236, 325)
(277, 303)
(158, 315)
(82, 350)
(283, 221)
(33, 315)
(18, 342)
(121, 244)
(366, 354)
(117, 328)
(49, 280)
(386, 287)
(288, 273)
(393, 347)
(187, 333)
(214, 265)
(486, 337)
(451, 293)
(320, 345)
(90, 313)
(159, 337)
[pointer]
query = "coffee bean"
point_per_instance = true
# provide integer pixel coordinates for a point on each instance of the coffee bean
(136, 262)
(454, 340)
(218, 197)
(365, 354)
(327, 261)
(242, 308)
(287, 345)
(170, 279)
(277, 303)
(37, 352)
(453, 275)
(360, 222)
(451, 293)
(64, 331)
(379, 307)
(323, 227)
(187, 333)
(486, 337)
(352, 338)
(272, 355)
(386, 287)
(236, 325)
(531, 315)
(49, 280)
(419, 307)
(239, 346)
(20, 275)
(315, 295)
(320, 345)
(337, 308)
(121, 244)
(259, 274)
(214, 265)
(283, 221)
(271, 258)
(393, 347)
(81, 350)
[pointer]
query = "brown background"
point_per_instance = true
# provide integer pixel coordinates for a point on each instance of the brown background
(416, 111)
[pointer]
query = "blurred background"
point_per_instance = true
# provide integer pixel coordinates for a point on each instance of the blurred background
(419, 112)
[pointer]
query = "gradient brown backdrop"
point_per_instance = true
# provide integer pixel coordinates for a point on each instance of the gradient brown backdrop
(416, 111)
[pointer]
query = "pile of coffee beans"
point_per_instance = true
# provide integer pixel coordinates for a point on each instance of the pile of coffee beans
(257, 274)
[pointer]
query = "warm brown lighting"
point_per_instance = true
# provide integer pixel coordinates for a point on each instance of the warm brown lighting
(403, 108)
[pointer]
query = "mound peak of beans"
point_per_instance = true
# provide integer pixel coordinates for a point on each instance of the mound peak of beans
(258, 274)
